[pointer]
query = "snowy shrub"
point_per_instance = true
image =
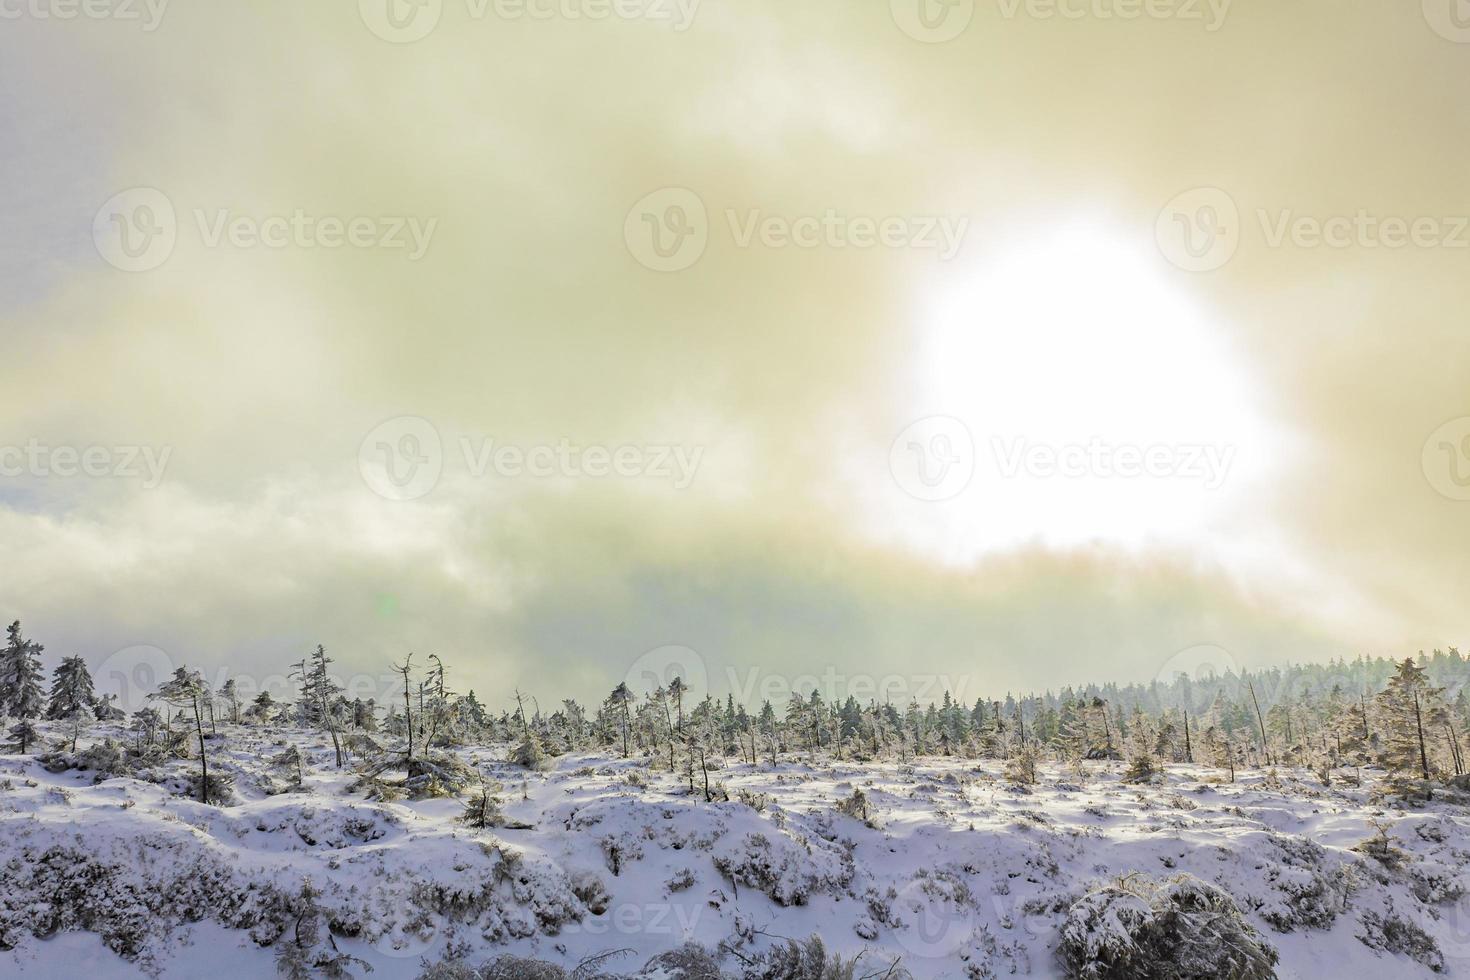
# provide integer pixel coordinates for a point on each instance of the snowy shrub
(786, 873)
(683, 879)
(220, 791)
(1179, 929)
(520, 968)
(1020, 769)
(1395, 934)
(689, 962)
(105, 759)
(620, 848)
(529, 754)
(482, 810)
(1435, 883)
(1141, 769)
(810, 960)
(589, 888)
(450, 970)
(1305, 890)
(858, 807)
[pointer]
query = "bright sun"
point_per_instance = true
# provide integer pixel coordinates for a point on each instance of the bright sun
(1105, 404)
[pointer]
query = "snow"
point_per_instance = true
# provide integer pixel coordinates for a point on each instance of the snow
(954, 873)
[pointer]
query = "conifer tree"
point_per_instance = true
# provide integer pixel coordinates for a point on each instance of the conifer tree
(1409, 707)
(20, 675)
(71, 690)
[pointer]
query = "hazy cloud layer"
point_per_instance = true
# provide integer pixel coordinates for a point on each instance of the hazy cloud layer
(495, 286)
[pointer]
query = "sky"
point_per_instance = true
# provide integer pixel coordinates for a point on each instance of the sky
(883, 348)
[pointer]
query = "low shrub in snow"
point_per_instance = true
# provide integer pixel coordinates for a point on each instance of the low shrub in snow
(1395, 934)
(1179, 929)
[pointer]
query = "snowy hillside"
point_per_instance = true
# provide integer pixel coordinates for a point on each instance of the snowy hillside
(940, 866)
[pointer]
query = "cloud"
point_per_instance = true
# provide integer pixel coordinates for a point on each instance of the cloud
(529, 320)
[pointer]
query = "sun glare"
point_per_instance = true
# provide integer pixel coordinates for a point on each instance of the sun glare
(1103, 401)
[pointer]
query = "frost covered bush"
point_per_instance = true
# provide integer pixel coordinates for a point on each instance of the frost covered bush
(1395, 934)
(1141, 769)
(858, 807)
(1179, 929)
(689, 962)
(1020, 769)
(1305, 890)
(786, 873)
(529, 754)
(106, 759)
(810, 960)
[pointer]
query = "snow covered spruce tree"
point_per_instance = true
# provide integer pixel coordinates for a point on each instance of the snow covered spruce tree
(1410, 711)
(20, 675)
(71, 690)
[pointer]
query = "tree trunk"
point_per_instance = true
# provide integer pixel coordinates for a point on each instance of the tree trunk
(1419, 726)
(1261, 720)
(203, 756)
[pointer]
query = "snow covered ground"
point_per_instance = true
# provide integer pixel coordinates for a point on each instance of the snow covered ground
(953, 873)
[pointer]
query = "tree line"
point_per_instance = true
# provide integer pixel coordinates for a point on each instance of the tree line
(1406, 716)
